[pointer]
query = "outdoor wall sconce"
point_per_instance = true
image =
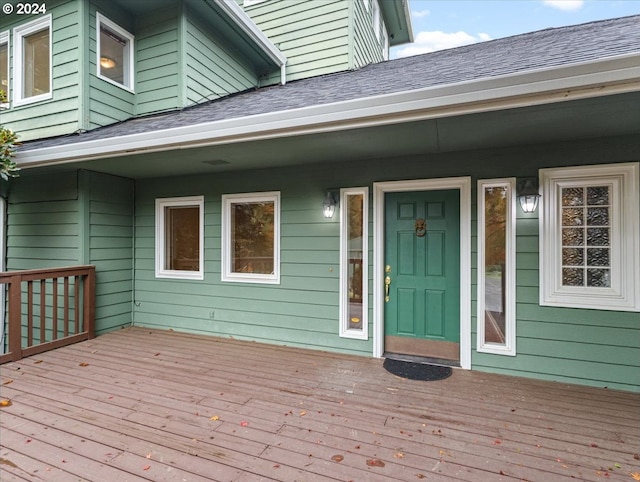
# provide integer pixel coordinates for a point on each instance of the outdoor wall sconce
(528, 194)
(329, 204)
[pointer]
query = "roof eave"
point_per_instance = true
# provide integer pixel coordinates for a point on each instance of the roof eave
(543, 86)
(397, 18)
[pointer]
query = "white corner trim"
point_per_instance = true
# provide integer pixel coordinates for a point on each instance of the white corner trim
(463, 184)
(591, 79)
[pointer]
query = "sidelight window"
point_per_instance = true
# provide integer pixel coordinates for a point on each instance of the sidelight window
(496, 267)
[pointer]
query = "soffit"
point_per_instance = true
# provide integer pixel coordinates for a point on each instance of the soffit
(565, 121)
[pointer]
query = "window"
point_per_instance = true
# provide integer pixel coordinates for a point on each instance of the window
(354, 263)
(114, 53)
(180, 238)
(590, 247)
(496, 267)
(4, 67)
(251, 237)
(32, 61)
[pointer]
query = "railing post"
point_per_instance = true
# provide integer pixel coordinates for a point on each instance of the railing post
(15, 317)
(90, 302)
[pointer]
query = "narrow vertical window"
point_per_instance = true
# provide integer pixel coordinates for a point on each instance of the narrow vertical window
(251, 237)
(32, 61)
(354, 263)
(4, 69)
(496, 267)
(115, 53)
(179, 238)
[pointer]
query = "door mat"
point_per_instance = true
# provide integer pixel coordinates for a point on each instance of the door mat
(416, 371)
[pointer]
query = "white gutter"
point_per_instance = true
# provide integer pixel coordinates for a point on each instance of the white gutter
(242, 20)
(544, 86)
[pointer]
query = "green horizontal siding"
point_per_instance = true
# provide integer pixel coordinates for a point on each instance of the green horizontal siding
(107, 103)
(157, 61)
(110, 237)
(314, 36)
(367, 47)
(60, 114)
(592, 347)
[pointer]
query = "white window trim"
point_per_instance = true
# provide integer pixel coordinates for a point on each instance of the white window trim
(367, 4)
(345, 331)
(624, 293)
(4, 38)
(385, 43)
(101, 19)
(227, 274)
(19, 33)
(248, 3)
(162, 203)
(509, 347)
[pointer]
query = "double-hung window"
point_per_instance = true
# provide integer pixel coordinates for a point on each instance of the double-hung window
(114, 53)
(251, 237)
(590, 246)
(4, 69)
(32, 71)
(180, 238)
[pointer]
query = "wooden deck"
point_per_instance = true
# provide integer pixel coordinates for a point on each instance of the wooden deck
(150, 405)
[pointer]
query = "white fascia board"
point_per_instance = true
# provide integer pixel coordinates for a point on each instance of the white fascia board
(242, 20)
(544, 86)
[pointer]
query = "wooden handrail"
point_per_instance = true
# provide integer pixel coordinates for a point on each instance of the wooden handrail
(22, 331)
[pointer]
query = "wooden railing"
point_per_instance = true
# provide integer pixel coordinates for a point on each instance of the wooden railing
(59, 309)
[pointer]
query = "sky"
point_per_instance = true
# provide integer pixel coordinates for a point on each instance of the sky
(443, 24)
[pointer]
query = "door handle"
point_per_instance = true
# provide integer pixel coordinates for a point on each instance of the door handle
(387, 282)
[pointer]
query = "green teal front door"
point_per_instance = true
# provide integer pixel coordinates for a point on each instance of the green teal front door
(422, 274)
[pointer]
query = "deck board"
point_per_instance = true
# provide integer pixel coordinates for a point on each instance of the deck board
(142, 404)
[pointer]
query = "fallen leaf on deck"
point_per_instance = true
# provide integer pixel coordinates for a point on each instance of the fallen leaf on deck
(244, 424)
(7, 382)
(421, 476)
(214, 418)
(303, 413)
(5, 403)
(398, 455)
(635, 475)
(277, 466)
(375, 463)
(83, 364)
(37, 361)
(337, 458)
(594, 445)
(148, 455)
(497, 442)
(146, 467)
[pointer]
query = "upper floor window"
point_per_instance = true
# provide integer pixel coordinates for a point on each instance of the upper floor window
(590, 243)
(32, 61)
(114, 53)
(4, 67)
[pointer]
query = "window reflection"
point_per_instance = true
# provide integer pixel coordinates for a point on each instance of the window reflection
(495, 231)
(355, 257)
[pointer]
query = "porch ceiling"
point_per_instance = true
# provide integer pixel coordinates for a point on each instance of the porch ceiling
(573, 120)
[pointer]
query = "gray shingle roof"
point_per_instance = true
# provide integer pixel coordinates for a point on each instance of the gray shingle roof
(553, 47)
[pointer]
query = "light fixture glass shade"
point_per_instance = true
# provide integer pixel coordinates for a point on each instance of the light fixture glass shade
(107, 63)
(529, 203)
(329, 205)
